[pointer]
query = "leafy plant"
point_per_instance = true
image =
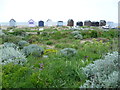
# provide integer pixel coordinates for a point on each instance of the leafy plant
(9, 45)
(22, 44)
(75, 33)
(33, 49)
(103, 73)
(68, 52)
(78, 36)
(19, 32)
(49, 51)
(11, 55)
(49, 42)
(33, 38)
(11, 39)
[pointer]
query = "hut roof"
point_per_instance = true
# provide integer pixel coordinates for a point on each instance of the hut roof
(12, 20)
(70, 20)
(31, 20)
(49, 20)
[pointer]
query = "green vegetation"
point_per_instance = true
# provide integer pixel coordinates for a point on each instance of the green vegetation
(55, 58)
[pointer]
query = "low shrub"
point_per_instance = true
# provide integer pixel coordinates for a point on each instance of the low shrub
(49, 42)
(11, 39)
(33, 49)
(68, 52)
(78, 36)
(103, 73)
(9, 45)
(11, 55)
(16, 76)
(33, 38)
(22, 44)
(75, 33)
(49, 51)
(19, 32)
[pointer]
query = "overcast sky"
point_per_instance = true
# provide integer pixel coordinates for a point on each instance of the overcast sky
(78, 10)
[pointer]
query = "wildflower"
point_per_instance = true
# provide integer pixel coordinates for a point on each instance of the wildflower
(41, 66)
(86, 56)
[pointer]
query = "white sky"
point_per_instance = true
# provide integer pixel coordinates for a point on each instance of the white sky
(78, 10)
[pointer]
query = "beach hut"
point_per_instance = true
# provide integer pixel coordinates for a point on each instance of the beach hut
(49, 23)
(41, 23)
(87, 23)
(70, 22)
(31, 23)
(110, 24)
(102, 23)
(95, 23)
(79, 23)
(60, 23)
(12, 23)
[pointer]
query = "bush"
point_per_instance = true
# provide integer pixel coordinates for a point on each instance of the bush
(44, 33)
(22, 44)
(33, 38)
(49, 43)
(75, 33)
(103, 73)
(16, 76)
(68, 52)
(11, 39)
(19, 32)
(79, 36)
(49, 51)
(1, 33)
(58, 74)
(94, 34)
(33, 49)
(10, 45)
(11, 55)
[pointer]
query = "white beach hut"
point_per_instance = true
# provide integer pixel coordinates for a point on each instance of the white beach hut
(49, 23)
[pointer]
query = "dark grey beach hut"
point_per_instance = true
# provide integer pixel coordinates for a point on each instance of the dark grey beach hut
(41, 23)
(70, 22)
(95, 23)
(79, 23)
(60, 23)
(12, 23)
(87, 23)
(102, 23)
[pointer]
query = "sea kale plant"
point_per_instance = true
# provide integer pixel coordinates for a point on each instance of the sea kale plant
(68, 52)
(22, 44)
(103, 73)
(7, 44)
(77, 34)
(9, 54)
(33, 49)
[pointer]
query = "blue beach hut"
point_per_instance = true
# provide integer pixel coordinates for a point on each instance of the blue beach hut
(60, 23)
(12, 23)
(41, 23)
